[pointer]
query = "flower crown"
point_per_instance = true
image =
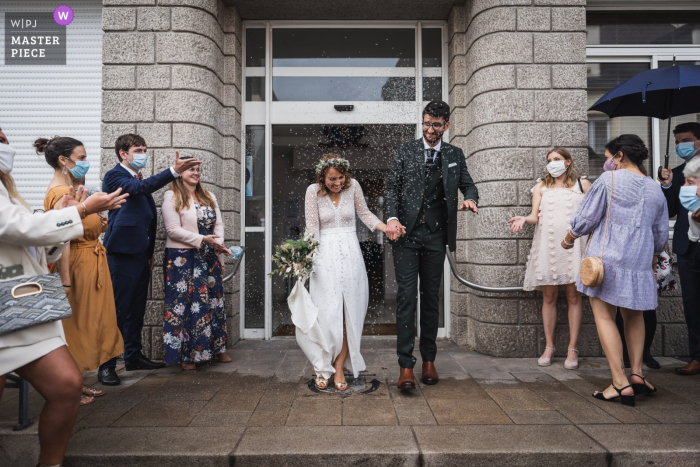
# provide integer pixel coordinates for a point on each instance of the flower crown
(332, 162)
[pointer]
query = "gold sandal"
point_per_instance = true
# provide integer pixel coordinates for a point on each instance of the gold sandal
(321, 382)
(339, 386)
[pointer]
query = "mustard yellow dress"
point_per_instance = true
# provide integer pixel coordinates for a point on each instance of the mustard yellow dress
(91, 333)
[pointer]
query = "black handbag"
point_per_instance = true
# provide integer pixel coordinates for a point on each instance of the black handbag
(30, 301)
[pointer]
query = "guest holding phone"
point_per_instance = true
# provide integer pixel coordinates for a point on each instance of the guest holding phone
(194, 328)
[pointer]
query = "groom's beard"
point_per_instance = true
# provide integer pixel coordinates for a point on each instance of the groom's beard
(434, 138)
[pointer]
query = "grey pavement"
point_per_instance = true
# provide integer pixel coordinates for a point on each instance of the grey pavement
(260, 410)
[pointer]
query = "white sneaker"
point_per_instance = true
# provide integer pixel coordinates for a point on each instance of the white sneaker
(571, 365)
(546, 361)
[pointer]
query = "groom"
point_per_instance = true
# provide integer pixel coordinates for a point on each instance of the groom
(421, 198)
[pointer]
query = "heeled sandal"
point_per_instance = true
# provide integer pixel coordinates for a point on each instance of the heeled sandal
(321, 382)
(341, 386)
(642, 388)
(571, 365)
(626, 400)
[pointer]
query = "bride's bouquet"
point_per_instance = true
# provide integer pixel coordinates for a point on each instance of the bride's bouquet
(295, 258)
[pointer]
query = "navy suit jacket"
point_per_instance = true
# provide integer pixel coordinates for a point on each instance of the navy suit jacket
(675, 208)
(132, 228)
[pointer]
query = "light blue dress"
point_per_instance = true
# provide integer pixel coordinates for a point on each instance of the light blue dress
(637, 230)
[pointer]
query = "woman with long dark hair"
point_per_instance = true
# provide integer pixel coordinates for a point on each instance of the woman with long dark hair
(92, 333)
(625, 214)
(194, 328)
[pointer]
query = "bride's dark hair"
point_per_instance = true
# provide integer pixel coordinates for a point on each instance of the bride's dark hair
(321, 176)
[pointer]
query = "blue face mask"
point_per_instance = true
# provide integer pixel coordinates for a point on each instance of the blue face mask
(81, 168)
(139, 161)
(685, 150)
(689, 198)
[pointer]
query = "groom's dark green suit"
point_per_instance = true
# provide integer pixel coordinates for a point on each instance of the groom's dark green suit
(424, 198)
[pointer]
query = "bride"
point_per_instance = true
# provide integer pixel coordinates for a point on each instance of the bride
(338, 286)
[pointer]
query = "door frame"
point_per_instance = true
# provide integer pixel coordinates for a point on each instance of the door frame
(270, 113)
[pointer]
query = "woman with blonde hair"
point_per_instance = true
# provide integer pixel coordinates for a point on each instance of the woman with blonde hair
(554, 202)
(92, 333)
(194, 328)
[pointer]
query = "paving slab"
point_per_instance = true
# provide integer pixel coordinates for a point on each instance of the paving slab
(466, 412)
(658, 445)
(537, 417)
(577, 409)
(216, 419)
(149, 447)
(316, 412)
(518, 399)
(519, 445)
(410, 414)
(373, 412)
(673, 413)
(159, 413)
(326, 446)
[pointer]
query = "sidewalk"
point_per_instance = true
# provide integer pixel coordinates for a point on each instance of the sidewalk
(259, 410)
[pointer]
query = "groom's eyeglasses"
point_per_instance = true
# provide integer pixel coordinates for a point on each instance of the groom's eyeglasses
(436, 126)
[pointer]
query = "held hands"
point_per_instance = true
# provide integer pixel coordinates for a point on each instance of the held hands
(469, 205)
(181, 165)
(394, 230)
(218, 247)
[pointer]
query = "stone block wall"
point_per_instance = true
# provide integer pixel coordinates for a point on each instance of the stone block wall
(517, 80)
(172, 74)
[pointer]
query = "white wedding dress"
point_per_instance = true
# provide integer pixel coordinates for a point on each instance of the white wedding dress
(339, 278)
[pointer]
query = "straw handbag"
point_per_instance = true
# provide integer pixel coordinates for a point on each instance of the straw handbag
(592, 270)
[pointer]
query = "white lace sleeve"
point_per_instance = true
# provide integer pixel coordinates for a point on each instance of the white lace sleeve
(311, 211)
(365, 215)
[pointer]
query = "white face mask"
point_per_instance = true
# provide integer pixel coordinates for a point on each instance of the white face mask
(7, 158)
(556, 168)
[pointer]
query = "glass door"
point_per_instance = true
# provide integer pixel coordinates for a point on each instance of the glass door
(312, 89)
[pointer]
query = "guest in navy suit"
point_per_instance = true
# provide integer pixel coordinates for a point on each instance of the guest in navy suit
(130, 242)
(688, 253)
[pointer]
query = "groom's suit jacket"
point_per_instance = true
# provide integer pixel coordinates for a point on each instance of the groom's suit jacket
(406, 185)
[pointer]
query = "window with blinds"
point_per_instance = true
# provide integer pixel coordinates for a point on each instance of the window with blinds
(44, 101)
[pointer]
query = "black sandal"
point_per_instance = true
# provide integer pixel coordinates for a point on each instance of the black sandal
(642, 388)
(626, 400)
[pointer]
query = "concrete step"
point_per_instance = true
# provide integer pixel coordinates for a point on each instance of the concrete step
(312, 446)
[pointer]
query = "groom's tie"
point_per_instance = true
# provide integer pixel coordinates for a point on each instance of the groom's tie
(430, 157)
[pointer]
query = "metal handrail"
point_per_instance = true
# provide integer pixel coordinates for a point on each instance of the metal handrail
(474, 286)
(236, 265)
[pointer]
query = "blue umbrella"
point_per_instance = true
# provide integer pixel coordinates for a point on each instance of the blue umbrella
(660, 93)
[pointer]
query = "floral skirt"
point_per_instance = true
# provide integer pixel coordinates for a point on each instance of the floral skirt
(194, 327)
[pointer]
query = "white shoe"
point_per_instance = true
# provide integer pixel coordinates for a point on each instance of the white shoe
(544, 361)
(571, 365)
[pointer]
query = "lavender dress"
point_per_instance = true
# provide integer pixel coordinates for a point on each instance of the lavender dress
(638, 230)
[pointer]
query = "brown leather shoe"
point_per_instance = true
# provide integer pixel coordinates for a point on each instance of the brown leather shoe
(406, 379)
(430, 375)
(692, 368)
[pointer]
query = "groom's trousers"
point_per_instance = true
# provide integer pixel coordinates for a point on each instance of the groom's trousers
(421, 255)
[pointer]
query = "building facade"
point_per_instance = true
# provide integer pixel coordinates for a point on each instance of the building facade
(260, 90)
